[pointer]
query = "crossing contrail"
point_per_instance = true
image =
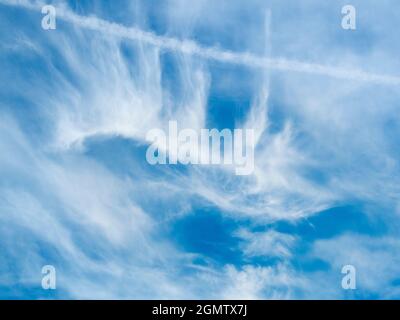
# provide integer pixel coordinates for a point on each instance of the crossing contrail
(211, 53)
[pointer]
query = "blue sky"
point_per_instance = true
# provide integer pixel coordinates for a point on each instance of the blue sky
(77, 193)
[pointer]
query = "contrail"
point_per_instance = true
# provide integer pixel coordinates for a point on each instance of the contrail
(211, 53)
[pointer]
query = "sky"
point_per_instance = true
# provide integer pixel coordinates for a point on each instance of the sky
(77, 193)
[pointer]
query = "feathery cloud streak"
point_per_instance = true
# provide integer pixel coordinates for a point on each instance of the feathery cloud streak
(192, 48)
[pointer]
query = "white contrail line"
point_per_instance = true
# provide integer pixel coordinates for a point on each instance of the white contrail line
(211, 53)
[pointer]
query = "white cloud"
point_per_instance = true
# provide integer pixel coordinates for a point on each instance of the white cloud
(376, 260)
(192, 48)
(266, 244)
(334, 144)
(260, 282)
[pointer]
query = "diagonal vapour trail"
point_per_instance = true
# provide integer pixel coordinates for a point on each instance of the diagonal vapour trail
(192, 48)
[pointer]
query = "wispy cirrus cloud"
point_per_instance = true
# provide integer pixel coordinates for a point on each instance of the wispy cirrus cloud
(225, 56)
(74, 179)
